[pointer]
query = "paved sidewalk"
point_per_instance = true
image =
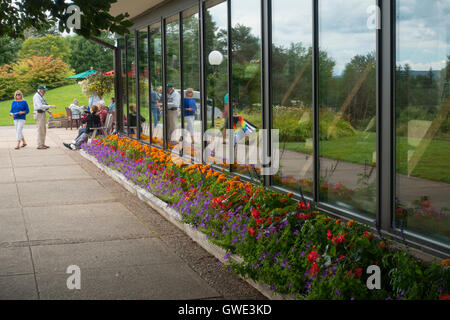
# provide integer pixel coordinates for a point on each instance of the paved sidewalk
(57, 209)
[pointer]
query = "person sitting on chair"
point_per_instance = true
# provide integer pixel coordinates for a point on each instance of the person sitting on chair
(91, 121)
(76, 110)
(132, 119)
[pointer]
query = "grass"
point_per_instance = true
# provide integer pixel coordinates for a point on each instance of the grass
(60, 97)
(434, 164)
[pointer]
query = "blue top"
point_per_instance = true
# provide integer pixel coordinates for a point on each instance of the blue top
(112, 107)
(189, 103)
(155, 99)
(18, 106)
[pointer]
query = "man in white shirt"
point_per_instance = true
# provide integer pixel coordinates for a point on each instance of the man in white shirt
(173, 105)
(40, 108)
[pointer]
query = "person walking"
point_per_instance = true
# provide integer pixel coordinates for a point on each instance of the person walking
(190, 109)
(40, 108)
(19, 111)
(173, 105)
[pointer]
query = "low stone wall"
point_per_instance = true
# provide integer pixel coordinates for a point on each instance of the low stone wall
(172, 216)
(57, 123)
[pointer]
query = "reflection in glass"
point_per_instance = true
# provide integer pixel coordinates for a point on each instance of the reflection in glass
(191, 76)
(422, 118)
(123, 76)
(246, 83)
(143, 86)
(216, 37)
(156, 83)
(292, 93)
(131, 69)
(173, 79)
(347, 101)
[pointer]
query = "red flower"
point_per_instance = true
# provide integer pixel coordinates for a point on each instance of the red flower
(313, 256)
(252, 231)
(358, 272)
(255, 214)
(269, 221)
(329, 235)
(314, 269)
(445, 297)
(368, 235)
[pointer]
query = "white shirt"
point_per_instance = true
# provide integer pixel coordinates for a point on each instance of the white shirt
(173, 100)
(39, 103)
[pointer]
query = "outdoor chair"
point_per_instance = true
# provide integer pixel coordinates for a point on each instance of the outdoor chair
(105, 130)
(71, 120)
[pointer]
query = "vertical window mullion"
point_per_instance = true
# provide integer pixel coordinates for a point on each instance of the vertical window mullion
(315, 99)
(137, 95)
(164, 73)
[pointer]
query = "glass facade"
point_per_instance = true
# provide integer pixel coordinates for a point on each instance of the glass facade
(312, 70)
(422, 120)
(347, 106)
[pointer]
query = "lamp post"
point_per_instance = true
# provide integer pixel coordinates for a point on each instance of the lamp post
(215, 59)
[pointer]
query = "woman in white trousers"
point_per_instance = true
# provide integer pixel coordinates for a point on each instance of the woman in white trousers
(19, 111)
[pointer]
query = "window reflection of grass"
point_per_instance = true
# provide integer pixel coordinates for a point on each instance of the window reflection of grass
(434, 165)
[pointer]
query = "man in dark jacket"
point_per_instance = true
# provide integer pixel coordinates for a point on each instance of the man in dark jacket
(91, 121)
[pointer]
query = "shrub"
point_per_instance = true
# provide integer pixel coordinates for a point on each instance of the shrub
(8, 82)
(42, 70)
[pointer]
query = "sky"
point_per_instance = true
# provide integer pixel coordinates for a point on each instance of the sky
(423, 28)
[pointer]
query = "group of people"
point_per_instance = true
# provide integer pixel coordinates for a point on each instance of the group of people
(92, 117)
(173, 107)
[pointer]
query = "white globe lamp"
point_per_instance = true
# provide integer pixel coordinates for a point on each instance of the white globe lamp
(215, 58)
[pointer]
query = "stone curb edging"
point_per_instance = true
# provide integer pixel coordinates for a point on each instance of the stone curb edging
(172, 216)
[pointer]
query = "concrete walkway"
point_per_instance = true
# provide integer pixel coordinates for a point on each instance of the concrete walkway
(57, 210)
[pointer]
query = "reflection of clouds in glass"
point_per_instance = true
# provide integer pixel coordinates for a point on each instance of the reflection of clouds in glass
(219, 15)
(344, 32)
(423, 33)
(292, 26)
(247, 13)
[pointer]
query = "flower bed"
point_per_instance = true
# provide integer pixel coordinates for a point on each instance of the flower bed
(283, 243)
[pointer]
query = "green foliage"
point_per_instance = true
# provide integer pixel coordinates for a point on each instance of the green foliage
(9, 49)
(45, 15)
(86, 54)
(46, 46)
(8, 82)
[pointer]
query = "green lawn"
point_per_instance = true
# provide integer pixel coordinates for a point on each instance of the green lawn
(434, 164)
(61, 97)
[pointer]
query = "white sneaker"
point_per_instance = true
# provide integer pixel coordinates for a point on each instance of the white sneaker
(73, 142)
(73, 146)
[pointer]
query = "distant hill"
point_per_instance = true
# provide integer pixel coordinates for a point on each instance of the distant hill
(436, 73)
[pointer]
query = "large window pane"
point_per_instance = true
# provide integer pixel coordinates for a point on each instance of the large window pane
(216, 37)
(422, 118)
(144, 86)
(246, 82)
(173, 78)
(156, 82)
(347, 101)
(191, 75)
(292, 92)
(131, 69)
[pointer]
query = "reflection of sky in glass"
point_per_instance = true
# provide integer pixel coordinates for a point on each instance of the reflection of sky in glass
(344, 32)
(247, 13)
(219, 15)
(423, 28)
(423, 33)
(291, 26)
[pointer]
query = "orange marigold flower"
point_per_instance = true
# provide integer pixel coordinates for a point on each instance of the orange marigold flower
(338, 221)
(350, 223)
(445, 263)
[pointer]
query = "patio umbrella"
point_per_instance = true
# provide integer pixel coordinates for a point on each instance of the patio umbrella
(83, 75)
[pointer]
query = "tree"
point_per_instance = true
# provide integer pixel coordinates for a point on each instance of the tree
(87, 54)
(9, 49)
(45, 47)
(18, 16)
